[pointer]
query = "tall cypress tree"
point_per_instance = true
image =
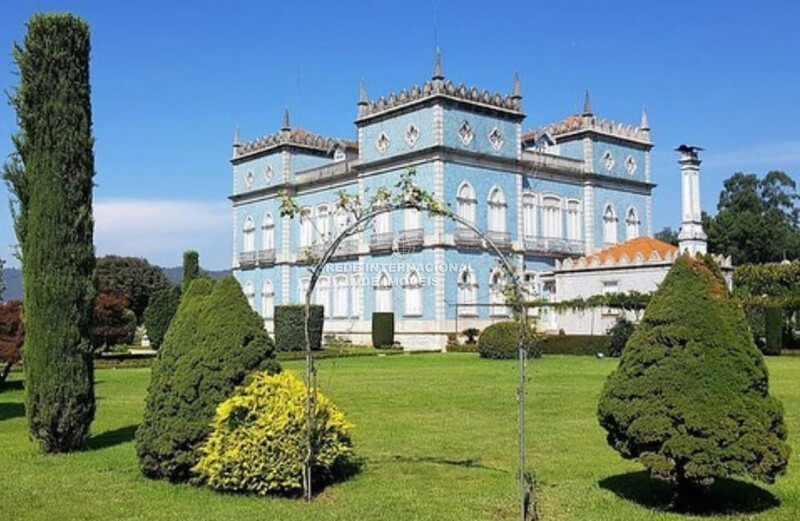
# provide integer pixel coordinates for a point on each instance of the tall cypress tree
(191, 268)
(51, 176)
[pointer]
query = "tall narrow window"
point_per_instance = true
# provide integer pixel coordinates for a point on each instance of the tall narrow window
(322, 291)
(551, 217)
(466, 202)
(355, 297)
(268, 232)
(413, 292)
(340, 296)
(340, 221)
(412, 219)
(267, 299)
(249, 243)
(250, 293)
(497, 295)
(383, 223)
(609, 225)
(529, 215)
(304, 282)
(467, 293)
(497, 211)
(323, 224)
(306, 228)
(632, 224)
(573, 220)
(383, 294)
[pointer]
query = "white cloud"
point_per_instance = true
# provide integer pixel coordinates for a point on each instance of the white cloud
(161, 230)
(770, 155)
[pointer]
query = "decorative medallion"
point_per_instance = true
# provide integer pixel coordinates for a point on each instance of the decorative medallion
(608, 160)
(249, 179)
(412, 135)
(630, 165)
(465, 133)
(268, 174)
(496, 139)
(382, 144)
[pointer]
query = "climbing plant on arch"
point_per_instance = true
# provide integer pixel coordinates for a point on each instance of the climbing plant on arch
(361, 213)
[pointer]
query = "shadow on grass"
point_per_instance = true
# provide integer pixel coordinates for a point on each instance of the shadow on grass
(9, 410)
(112, 438)
(465, 463)
(725, 497)
(13, 385)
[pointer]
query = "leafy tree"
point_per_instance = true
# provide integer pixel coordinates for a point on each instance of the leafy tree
(112, 322)
(191, 268)
(690, 397)
(619, 334)
(213, 343)
(133, 277)
(12, 336)
(51, 177)
(668, 235)
(757, 219)
(159, 314)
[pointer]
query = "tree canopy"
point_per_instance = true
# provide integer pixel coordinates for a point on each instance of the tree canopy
(133, 277)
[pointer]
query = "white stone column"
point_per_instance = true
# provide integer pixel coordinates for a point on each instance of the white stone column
(588, 218)
(692, 238)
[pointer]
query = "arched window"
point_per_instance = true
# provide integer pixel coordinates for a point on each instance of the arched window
(551, 216)
(466, 202)
(323, 224)
(383, 294)
(609, 225)
(249, 243)
(497, 210)
(632, 224)
(497, 296)
(413, 292)
(322, 290)
(340, 296)
(356, 284)
(268, 232)
(467, 292)
(412, 219)
(573, 220)
(306, 228)
(267, 299)
(529, 215)
(250, 293)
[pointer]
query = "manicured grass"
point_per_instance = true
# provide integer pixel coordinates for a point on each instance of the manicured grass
(439, 436)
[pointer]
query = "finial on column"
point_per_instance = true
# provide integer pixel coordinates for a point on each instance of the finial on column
(692, 238)
(516, 91)
(438, 73)
(362, 98)
(645, 125)
(286, 125)
(236, 140)
(587, 104)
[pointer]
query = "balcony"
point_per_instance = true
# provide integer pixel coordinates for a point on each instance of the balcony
(247, 259)
(555, 245)
(379, 242)
(347, 248)
(413, 237)
(466, 238)
(266, 257)
(500, 239)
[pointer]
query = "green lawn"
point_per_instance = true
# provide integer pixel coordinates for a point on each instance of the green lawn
(439, 436)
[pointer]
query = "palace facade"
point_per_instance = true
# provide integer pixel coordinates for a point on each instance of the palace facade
(563, 191)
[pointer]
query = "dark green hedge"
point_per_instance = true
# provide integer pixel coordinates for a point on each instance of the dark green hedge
(382, 330)
(159, 314)
(290, 323)
(501, 341)
(588, 345)
(773, 330)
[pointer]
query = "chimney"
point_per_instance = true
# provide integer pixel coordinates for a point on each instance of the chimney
(692, 238)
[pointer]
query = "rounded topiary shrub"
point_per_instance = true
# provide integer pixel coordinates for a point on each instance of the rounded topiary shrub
(501, 341)
(258, 443)
(290, 324)
(214, 341)
(690, 398)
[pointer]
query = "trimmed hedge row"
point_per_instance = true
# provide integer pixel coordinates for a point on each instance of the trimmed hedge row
(587, 345)
(382, 330)
(501, 341)
(290, 322)
(773, 330)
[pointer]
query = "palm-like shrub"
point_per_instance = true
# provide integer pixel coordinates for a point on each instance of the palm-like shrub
(258, 442)
(214, 341)
(690, 398)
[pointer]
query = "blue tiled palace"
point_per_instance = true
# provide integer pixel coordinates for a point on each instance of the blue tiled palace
(564, 190)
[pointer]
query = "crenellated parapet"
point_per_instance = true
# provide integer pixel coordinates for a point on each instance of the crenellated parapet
(296, 137)
(582, 123)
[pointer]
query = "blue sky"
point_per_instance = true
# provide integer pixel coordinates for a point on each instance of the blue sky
(171, 79)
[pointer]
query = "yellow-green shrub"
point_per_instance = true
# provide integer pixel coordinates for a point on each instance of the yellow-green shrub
(258, 441)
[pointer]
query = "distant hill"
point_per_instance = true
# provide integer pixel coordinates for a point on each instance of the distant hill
(13, 279)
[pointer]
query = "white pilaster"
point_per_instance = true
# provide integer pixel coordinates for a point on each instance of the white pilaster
(588, 155)
(285, 165)
(286, 296)
(588, 218)
(438, 193)
(438, 260)
(438, 125)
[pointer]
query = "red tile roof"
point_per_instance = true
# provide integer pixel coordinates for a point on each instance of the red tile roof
(644, 245)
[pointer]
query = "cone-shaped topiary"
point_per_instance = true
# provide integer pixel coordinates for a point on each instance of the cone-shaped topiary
(690, 398)
(214, 341)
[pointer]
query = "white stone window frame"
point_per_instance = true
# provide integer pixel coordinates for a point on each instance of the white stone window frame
(496, 139)
(412, 290)
(382, 143)
(497, 210)
(467, 293)
(269, 174)
(574, 219)
(608, 160)
(497, 297)
(466, 203)
(552, 207)
(267, 299)
(341, 297)
(610, 220)
(412, 135)
(268, 232)
(250, 293)
(630, 164)
(529, 218)
(249, 235)
(465, 133)
(249, 179)
(632, 223)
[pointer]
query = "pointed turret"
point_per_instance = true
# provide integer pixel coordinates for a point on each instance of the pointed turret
(362, 98)
(645, 125)
(237, 142)
(438, 72)
(587, 105)
(516, 92)
(286, 125)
